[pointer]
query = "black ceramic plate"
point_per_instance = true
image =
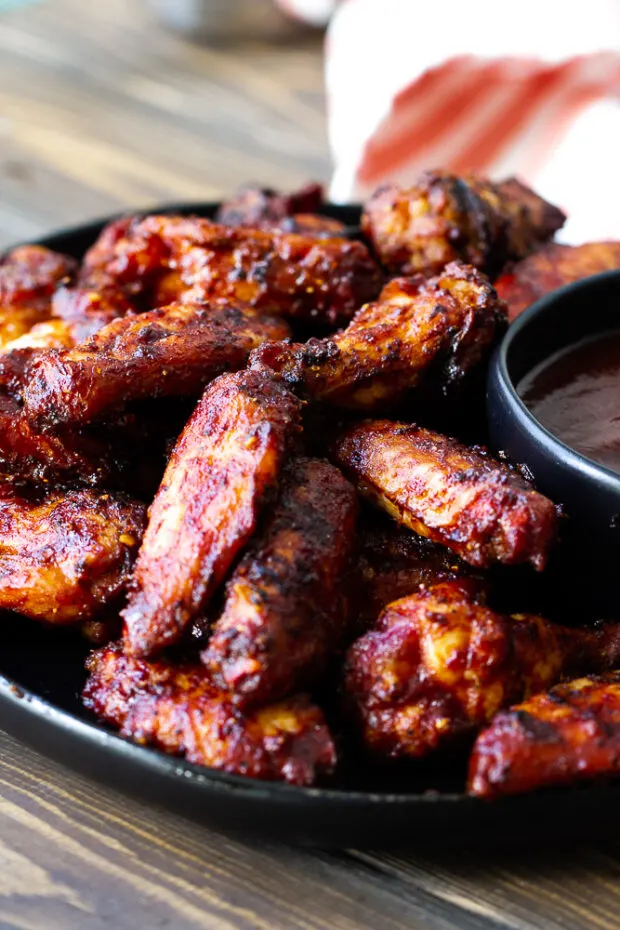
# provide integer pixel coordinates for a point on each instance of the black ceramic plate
(41, 677)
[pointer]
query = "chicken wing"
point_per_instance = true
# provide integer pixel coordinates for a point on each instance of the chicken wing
(438, 665)
(445, 217)
(262, 206)
(439, 328)
(29, 275)
(569, 735)
(65, 557)
(284, 613)
(551, 267)
(173, 351)
(452, 494)
(227, 458)
(177, 709)
(35, 457)
(170, 258)
(393, 562)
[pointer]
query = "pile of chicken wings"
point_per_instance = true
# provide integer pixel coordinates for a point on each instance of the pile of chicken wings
(223, 459)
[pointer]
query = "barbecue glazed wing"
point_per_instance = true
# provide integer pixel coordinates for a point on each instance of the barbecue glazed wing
(168, 258)
(263, 206)
(442, 326)
(284, 613)
(64, 557)
(445, 217)
(176, 350)
(228, 457)
(393, 563)
(29, 275)
(569, 735)
(439, 665)
(177, 709)
(450, 493)
(36, 457)
(551, 267)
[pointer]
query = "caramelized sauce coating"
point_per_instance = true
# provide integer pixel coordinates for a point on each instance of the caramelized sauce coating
(439, 665)
(175, 350)
(444, 218)
(29, 275)
(178, 709)
(450, 493)
(439, 328)
(284, 614)
(227, 459)
(65, 557)
(568, 735)
(551, 267)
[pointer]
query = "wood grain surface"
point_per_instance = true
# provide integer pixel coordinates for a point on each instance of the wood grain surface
(102, 110)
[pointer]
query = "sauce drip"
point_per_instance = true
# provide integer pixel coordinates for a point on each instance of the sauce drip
(575, 394)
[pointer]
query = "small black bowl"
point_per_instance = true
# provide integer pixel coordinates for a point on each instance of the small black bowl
(588, 492)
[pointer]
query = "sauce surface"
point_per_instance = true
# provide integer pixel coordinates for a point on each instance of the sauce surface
(575, 394)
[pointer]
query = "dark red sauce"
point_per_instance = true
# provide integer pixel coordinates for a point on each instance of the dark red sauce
(575, 394)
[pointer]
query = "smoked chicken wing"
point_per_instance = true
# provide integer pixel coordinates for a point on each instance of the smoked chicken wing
(228, 457)
(569, 735)
(394, 562)
(284, 614)
(263, 206)
(168, 258)
(178, 709)
(64, 557)
(450, 493)
(438, 665)
(551, 267)
(445, 217)
(172, 351)
(439, 328)
(29, 276)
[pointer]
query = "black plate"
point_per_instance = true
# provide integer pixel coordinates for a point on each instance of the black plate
(41, 676)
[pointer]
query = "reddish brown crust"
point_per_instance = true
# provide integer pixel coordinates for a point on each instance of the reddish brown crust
(551, 267)
(284, 613)
(452, 494)
(444, 218)
(175, 350)
(286, 274)
(177, 709)
(264, 207)
(65, 558)
(439, 665)
(29, 275)
(42, 457)
(393, 563)
(568, 735)
(440, 327)
(228, 456)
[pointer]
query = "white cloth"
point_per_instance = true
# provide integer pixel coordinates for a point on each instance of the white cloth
(534, 92)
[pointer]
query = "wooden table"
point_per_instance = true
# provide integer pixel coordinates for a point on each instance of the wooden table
(100, 110)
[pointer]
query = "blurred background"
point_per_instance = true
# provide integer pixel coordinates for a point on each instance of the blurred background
(121, 104)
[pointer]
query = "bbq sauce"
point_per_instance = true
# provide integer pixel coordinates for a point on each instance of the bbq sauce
(575, 394)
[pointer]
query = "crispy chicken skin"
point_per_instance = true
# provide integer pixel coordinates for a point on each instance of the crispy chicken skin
(263, 206)
(29, 275)
(173, 351)
(445, 217)
(64, 557)
(35, 457)
(284, 614)
(450, 493)
(167, 258)
(392, 562)
(568, 735)
(551, 267)
(228, 457)
(178, 709)
(438, 665)
(444, 326)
